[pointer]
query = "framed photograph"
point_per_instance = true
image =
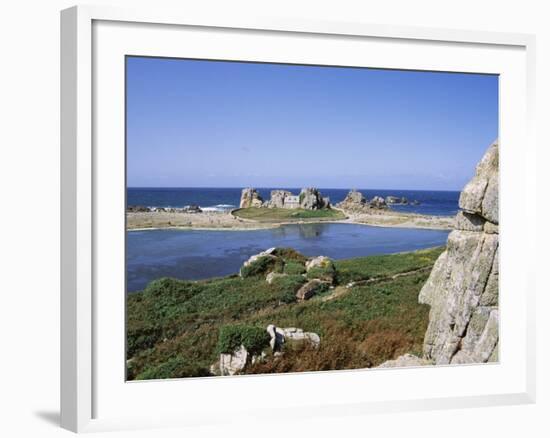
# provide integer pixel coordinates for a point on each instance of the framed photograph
(306, 218)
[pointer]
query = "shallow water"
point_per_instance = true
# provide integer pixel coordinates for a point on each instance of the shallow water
(199, 254)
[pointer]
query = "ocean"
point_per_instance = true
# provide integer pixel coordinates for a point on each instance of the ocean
(438, 203)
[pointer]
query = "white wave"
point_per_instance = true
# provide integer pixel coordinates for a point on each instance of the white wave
(218, 208)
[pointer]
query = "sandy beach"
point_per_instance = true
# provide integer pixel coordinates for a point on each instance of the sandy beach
(227, 221)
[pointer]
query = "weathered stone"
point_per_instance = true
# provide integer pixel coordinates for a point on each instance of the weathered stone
(311, 199)
(462, 289)
(261, 263)
(378, 202)
(322, 268)
(309, 289)
(298, 335)
(355, 197)
(231, 364)
(319, 262)
(490, 228)
(473, 195)
(489, 206)
(489, 297)
(290, 334)
(278, 198)
(455, 289)
(250, 198)
(469, 222)
(407, 360)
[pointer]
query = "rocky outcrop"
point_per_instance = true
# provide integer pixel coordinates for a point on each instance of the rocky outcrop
(310, 289)
(311, 199)
(278, 198)
(462, 289)
(231, 364)
(321, 268)
(250, 198)
(396, 200)
(378, 202)
(407, 360)
(261, 264)
(290, 334)
(354, 201)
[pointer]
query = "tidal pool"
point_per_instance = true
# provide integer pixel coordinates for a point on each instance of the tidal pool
(200, 254)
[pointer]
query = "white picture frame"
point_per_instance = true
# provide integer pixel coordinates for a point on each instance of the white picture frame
(91, 390)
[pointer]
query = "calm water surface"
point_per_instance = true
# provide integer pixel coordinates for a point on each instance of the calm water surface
(195, 254)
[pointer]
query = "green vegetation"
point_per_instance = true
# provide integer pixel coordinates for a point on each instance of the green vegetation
(177, 328)
(294, 268)
(325, 271)
(287, 215)
(363, 268)
(262, 266)
(231, 337)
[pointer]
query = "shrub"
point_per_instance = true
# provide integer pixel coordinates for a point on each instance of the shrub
(164, 286)
(231, 337)
(326, 273)
(173, 368)
(289, 254)
(288, 297)
(262, 266)
(294, 268)
(289, 282)
(142, 339)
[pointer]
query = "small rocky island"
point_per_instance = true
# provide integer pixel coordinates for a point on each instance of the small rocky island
(283, 207)
(309, 199)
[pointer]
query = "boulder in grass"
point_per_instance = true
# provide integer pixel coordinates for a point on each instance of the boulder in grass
(311, 288)
(261, 264)
(321, 268)
(231, 364)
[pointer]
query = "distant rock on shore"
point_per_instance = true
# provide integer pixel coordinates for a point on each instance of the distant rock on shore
(396, 200)
(356, 201)
(250, 198)
(143, 209)
(309, 198)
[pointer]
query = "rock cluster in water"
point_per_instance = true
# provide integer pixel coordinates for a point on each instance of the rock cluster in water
(355, 201)
(143, 209)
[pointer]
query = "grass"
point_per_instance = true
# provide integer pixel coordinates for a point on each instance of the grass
(287, 215)
(177, 328)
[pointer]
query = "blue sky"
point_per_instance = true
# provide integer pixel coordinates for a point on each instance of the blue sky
(226, 124)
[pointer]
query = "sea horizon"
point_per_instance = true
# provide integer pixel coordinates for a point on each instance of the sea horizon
(428, 202)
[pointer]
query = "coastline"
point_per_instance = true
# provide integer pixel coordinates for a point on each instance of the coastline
(226, 221)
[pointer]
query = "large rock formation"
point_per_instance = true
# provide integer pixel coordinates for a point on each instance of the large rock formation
(354, 201)
(311, 199)
(462, 289)
(278, 198)
(378, 202)
(250, 198)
